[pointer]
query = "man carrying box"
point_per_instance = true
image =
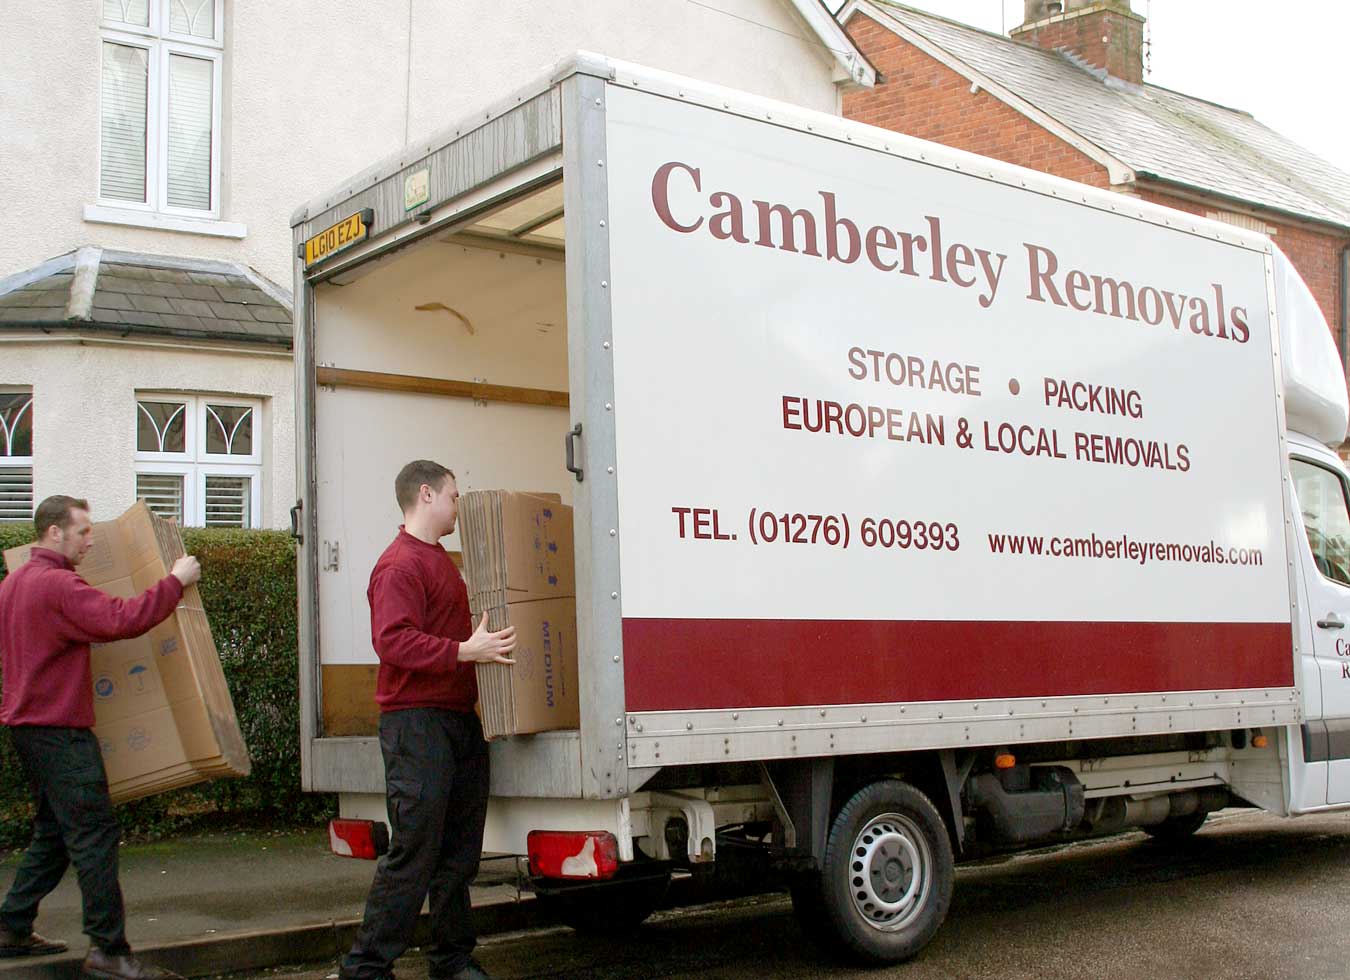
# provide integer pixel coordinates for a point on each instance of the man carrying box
(435, 758)
(48, 618)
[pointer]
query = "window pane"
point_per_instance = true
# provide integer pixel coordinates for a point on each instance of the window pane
(1321, 498)
(16, 493)
(161, 427)
(162, 492)
(227, 501)
(135, 12)
(16, 424)
(194, 17)
(125, 80)
(190, 133)
(229, 430)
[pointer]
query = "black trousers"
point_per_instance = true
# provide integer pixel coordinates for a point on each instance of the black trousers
(436, 780)
(75, 824)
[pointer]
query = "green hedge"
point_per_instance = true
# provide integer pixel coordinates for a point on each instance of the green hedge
(248, 589)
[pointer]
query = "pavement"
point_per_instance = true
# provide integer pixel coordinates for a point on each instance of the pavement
(222, 902)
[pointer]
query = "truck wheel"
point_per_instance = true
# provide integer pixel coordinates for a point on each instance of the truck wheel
(1176, 829)
(887, 873)
(607, 908)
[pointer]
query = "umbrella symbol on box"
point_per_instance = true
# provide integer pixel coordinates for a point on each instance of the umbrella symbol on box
(137, 674)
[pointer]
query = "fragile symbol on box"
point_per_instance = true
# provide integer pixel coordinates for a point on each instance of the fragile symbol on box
(138, 739)
(104, 688)
(106, 746)
(168, 646)
(137, 673)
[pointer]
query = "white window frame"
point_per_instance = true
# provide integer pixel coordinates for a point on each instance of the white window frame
(18, 462)
(161, 45)
(195, 464)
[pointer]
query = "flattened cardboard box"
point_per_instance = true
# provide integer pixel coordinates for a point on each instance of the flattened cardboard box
(162, 710)
(517, 547)
(538, 693)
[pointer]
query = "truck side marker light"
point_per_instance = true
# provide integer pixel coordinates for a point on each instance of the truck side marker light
(1259, 741)
(1005, 760)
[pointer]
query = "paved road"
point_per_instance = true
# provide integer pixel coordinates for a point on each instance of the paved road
(1250, 896)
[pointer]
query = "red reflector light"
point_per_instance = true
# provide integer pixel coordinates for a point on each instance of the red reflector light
(366, 839)
(572, 853)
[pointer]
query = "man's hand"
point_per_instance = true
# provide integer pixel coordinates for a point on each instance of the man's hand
(187, 570)
(486, 647)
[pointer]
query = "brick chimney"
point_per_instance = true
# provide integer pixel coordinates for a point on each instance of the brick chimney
(1103, 33)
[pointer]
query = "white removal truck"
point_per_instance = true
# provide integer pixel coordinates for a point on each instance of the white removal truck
(923, 504)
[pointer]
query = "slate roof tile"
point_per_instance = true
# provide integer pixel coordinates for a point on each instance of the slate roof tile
(1152, 130)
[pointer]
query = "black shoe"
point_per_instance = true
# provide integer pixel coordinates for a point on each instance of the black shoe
(12, 944)
(470, 971)
(99, 965)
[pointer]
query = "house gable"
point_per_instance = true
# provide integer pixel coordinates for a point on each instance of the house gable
(923, 96)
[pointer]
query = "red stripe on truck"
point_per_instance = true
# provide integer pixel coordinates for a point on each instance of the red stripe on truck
(674, 664)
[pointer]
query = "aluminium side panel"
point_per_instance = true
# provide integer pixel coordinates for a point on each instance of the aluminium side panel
(306, 524)
(604, 770)
(914, 456)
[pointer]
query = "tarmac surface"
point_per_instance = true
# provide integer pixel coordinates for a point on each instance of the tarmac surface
(1251, 895)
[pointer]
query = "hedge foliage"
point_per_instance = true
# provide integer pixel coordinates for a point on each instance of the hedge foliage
(248, 589)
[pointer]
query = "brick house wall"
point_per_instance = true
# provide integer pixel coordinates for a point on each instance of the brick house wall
(923, 97)
(1315, 254)
(920, 96)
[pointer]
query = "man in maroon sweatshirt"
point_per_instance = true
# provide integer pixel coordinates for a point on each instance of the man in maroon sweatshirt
(48, 618)
(435, 759)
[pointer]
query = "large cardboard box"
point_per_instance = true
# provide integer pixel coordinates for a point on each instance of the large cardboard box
(539, 692)
(517, 547)
(518, 565)
(163, 714)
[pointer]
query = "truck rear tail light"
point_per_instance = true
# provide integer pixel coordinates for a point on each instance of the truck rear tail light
(573, 853)
(366, 839)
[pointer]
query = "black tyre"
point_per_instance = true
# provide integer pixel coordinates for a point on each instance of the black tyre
(887, 875)
(606, 908)
(1176, 829)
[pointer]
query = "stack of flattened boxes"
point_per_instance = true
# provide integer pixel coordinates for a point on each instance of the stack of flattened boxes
(163, 714)
(518, 566)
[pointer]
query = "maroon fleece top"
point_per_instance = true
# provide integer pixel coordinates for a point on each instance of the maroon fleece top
(419, 613)
(48, 618)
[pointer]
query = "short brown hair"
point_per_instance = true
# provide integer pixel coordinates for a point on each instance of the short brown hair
(55, 511)
(411, 478)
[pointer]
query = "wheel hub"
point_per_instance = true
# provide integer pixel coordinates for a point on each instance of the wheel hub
(889, 873)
